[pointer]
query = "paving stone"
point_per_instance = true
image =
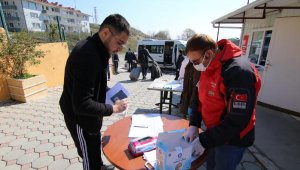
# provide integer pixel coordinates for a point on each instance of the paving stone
(12, 129)
(28, 158)
(42, 162)
(18, 142)
(71, 153)
(59, 164)
(57, 150)
(45, 136)
(44, 147)
(7, 139)
(35, 125)
(33, 134)
(75, 166)
(251, 166)
(57, 129)
(56, 139)
(65, 132)
(48, 127)
(248, 157)
(12, 167)
(68, 141)
(3, 127)
(5, 150)
(29, 145)
(22, 132)
(2, 164)
(13, 155)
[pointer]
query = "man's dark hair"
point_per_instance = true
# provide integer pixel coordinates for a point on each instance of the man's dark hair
(201, 42)
(117, 22)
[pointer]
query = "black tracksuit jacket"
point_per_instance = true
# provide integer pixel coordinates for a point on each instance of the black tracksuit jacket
(85, 83)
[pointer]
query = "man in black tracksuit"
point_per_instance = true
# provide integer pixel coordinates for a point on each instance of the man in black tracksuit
(83, 98)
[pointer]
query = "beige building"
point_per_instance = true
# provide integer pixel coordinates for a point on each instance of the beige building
(37, 15)
(270, 39)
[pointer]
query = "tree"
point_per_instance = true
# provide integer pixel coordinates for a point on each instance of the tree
(187, 33)
(162, 35)
(52, 32)
(17, 53)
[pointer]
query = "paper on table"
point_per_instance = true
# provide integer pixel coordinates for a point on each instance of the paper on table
(146, 119)
(150, 157)
(145, 125)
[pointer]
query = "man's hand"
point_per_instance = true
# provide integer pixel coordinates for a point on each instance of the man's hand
(120, 106)
(190, 134)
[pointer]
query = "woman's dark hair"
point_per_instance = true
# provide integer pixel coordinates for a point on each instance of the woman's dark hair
(116, 22)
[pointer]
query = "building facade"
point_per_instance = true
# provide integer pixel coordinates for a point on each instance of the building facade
(37, 15)
(270, 39)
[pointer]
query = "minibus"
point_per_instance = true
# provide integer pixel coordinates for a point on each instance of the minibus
(164, 52)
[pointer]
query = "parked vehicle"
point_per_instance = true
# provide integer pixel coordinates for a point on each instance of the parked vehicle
(164, 52)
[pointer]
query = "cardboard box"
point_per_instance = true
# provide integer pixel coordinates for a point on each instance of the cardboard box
(173, 152)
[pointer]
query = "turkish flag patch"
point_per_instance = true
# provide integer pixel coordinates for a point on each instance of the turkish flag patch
(239, 100)
(239, 97)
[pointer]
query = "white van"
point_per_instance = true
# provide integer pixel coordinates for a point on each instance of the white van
(164, 52)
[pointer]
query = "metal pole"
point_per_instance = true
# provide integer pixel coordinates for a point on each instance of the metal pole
(218, 32)
(3, 22)
(59, 29)
(63, 33)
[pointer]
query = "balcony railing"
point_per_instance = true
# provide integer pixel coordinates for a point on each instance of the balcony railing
(9, 7)
(10, 18)
(44, 11)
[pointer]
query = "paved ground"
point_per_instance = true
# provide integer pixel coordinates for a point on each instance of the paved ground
(33, 135)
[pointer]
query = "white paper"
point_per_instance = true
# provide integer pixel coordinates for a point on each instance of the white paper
(118, 91)
(150, 157)
(145, 125)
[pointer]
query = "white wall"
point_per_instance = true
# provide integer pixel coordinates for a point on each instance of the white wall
(281, 78)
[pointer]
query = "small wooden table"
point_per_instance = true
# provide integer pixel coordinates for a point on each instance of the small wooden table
(115, 143)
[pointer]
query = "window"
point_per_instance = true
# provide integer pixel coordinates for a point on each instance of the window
(259, 47)
(11, 25)
(34, 15)
(47, 8)
(32, 5)
(156, 49)
(5, 3)
(36, 25)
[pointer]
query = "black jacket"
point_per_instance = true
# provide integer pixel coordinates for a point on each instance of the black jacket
(143, 57)
(115, 57)
(85, 83)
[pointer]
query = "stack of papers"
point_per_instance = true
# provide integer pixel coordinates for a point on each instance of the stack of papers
(145, 125)
(150, 157)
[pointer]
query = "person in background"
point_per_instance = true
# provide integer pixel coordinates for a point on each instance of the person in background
(129, 57)
(115, 59)
(143, 60)
(226, 101)
(178, 63)
(190, 80)
(85, 83)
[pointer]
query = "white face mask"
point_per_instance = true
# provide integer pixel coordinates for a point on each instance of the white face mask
(201, 67)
